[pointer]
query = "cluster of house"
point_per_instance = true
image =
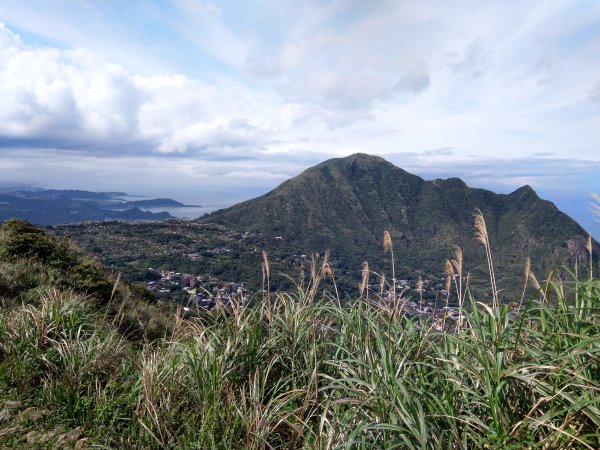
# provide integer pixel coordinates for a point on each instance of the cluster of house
(202, 293)
(429, 304)
(209, 293)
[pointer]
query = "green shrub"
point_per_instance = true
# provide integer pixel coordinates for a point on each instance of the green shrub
(91, 277)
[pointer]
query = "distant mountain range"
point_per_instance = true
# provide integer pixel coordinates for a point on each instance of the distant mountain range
(50, 207)
(346, 204)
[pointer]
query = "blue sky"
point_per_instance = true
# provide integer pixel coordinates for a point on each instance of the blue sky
(223, 100)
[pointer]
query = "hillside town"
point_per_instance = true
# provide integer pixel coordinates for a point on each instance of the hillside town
(201, 292)
(193, 292)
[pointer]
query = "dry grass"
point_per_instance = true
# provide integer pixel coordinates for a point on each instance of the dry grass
(388, 245)
(300, 372)
(364, 282)
(481, 234)
(266, 274)
(589, 248)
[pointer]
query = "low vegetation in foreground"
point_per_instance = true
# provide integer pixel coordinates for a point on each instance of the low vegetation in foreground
(87, 361)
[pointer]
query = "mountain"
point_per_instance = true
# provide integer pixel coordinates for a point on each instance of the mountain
(346, 204)
(67, 194)
(50, 207)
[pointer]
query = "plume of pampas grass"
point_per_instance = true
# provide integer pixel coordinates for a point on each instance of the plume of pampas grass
(364, 283)
(266, 273)
(535, 283)
(588, 246)
(381, 286)
(327, 272)
(317, 275)
(265, 258)
(482, 236)
(588, 243)
(112, 296)
(313, 269)
(420, 288)
(481, 233)
(387, 241)
(388, 245)
(457, 263)
(449, 272)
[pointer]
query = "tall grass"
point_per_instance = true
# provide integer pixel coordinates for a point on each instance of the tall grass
(298, 373)
(300, 370)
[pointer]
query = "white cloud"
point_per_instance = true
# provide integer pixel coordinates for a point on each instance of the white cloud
(77, 99)
(239, 83)
(72, 95)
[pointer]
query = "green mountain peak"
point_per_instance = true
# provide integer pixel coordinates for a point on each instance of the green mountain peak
(345, 205)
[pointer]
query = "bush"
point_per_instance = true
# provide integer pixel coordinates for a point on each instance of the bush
(19, 239)
(31, 258)
(91, 277)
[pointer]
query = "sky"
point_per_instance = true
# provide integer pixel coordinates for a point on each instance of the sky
(220, 101)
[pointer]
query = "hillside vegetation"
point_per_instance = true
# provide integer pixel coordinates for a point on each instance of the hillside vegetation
(87, 361)
(345, 204)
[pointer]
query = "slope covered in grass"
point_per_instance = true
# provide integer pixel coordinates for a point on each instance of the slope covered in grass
(296, 370)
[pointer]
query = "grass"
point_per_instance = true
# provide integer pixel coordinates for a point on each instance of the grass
(299, 370)
(297, 373)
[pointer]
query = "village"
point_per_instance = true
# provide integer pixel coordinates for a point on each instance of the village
(194, 292)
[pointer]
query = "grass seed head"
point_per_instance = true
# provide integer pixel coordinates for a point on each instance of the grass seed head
(458, 260)
(481, 233)
(327, 271)
(527, 267)
(534, 280)
(448, 268)
(449, 272)
(265, 263)
(387, 241)
(365, 277)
